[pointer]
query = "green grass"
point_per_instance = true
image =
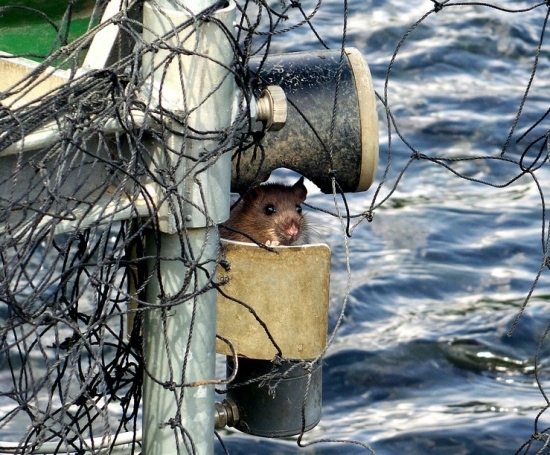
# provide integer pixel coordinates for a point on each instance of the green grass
(28, 33)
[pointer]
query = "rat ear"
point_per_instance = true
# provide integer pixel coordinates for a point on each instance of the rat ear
(252, 195)
(300, 189)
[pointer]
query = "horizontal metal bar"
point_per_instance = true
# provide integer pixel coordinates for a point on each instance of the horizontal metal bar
(50, 134)
(123, 442)
(104, 210)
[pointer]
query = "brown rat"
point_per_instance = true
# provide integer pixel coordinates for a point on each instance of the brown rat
(270, 213)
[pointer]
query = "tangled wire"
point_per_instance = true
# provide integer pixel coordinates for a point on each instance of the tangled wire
(79, 208)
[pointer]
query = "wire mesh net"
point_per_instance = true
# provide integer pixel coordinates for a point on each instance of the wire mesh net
(80, 194)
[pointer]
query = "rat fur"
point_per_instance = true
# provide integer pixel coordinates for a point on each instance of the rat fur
(271, 214)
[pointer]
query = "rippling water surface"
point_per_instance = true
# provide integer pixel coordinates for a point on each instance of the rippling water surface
(430, 356)
(426, 360)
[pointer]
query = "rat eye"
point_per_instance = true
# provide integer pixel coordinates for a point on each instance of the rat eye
(299, 208)
(269, 209)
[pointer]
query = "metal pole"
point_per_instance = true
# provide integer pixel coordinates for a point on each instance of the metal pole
(179, 339)
(180, 348)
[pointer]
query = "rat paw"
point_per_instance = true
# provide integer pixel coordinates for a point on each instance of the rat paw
(272, 243)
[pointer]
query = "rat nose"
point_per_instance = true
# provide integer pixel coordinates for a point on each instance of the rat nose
(292, 230)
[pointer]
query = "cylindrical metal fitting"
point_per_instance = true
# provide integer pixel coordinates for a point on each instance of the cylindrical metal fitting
(276, 401)
(332, 125)
(226, 414)
(272, 108)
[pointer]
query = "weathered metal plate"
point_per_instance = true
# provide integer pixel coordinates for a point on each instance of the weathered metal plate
(287, 289)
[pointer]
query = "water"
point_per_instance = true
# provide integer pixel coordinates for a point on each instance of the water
(424, 361)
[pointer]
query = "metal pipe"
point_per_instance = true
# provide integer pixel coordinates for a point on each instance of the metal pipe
(51, 134)
(179, 348)
(123, 444)
(179, 335)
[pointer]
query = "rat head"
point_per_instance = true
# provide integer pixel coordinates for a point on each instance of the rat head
(277, 212)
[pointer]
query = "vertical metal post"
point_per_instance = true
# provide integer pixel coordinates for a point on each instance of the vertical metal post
(180, 348)
(188, 75)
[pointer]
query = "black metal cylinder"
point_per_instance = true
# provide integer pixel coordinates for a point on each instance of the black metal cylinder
(276, 400)
(332, 123)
